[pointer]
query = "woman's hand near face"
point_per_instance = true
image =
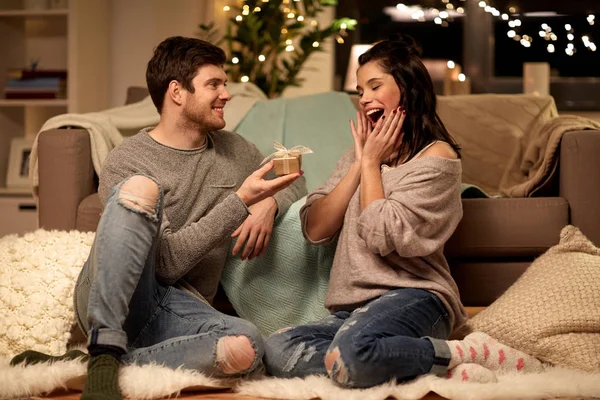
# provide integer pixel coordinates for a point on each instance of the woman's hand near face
(326, 214)
(379, 146)
(360, 134)
(385, 138)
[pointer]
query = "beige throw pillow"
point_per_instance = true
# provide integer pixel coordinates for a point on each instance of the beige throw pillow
(553, 311)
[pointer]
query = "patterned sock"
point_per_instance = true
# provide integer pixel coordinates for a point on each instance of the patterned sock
(31, 357)
(469, 372)
(482, 349)
(103, 379)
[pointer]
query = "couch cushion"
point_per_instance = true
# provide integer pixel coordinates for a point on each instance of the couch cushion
(489, 128)
(508, 227)
(88, 213)
(135, 94)
(480, 283)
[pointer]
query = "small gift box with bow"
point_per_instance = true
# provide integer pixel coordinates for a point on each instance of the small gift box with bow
(287, 161)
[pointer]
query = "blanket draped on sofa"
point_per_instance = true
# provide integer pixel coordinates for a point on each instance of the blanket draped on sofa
(536, 158)
(509, 142)
(319, 121)
(106, 128)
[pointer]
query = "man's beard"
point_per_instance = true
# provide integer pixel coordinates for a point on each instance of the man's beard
(201, 122)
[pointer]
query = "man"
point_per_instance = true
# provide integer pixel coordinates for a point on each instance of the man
(173, 197)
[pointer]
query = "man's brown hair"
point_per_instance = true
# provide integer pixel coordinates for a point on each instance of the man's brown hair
(178, 58)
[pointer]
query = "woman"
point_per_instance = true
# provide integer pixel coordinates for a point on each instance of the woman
(392, 201)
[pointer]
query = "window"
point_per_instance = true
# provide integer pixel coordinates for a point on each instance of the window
(510, 54)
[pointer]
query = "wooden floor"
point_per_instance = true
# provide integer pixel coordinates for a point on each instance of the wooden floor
(201, 396)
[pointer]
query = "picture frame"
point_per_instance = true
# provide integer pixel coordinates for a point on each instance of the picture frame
(17, 175)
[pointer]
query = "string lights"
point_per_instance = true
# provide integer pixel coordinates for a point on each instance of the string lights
(449, 9)
(546, 33)
(268, 41)
(294, 13)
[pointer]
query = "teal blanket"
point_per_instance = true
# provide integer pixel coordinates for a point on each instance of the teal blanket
(286, 285)
(319, 121)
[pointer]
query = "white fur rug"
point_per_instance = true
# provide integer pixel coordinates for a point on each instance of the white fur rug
(37, 275)
(137, 382)
(153, 382)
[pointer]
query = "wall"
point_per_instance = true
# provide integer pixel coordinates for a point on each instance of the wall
(89, 49)
(318, 71)
(139, 25)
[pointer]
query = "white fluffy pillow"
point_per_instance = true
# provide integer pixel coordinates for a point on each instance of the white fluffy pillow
(37, 276)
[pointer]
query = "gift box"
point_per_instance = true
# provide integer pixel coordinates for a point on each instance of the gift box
(287, 161)
(288, 164)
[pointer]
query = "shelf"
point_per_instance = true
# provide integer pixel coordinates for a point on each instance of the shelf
(34, 13)
(34, 102)
(20, 191)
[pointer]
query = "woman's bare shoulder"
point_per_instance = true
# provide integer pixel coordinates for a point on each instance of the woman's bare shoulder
(441, 149)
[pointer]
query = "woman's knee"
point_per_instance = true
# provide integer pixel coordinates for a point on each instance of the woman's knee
(141, 193)
(347, 363)
(283, 353)
(336, 367)
(355, 365)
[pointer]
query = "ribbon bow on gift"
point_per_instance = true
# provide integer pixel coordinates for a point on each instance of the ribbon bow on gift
(284, 152)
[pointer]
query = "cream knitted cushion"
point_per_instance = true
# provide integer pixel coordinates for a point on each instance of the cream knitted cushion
(553, 311)
(37, 276)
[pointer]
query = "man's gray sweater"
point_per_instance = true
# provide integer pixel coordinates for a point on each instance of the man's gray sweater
(201, 209)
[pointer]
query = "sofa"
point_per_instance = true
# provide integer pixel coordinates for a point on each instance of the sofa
(493, 245)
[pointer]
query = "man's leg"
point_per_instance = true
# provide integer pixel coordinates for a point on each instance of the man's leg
(123, 252)
(187, 332)
(300, 351)
(120, 266)
(128, 311)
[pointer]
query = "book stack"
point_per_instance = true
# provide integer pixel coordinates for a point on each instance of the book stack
(36, 84)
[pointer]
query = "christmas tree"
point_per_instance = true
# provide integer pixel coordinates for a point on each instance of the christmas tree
(268, 41)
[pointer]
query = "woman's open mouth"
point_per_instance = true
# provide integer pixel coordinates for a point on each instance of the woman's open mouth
(374, 114)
